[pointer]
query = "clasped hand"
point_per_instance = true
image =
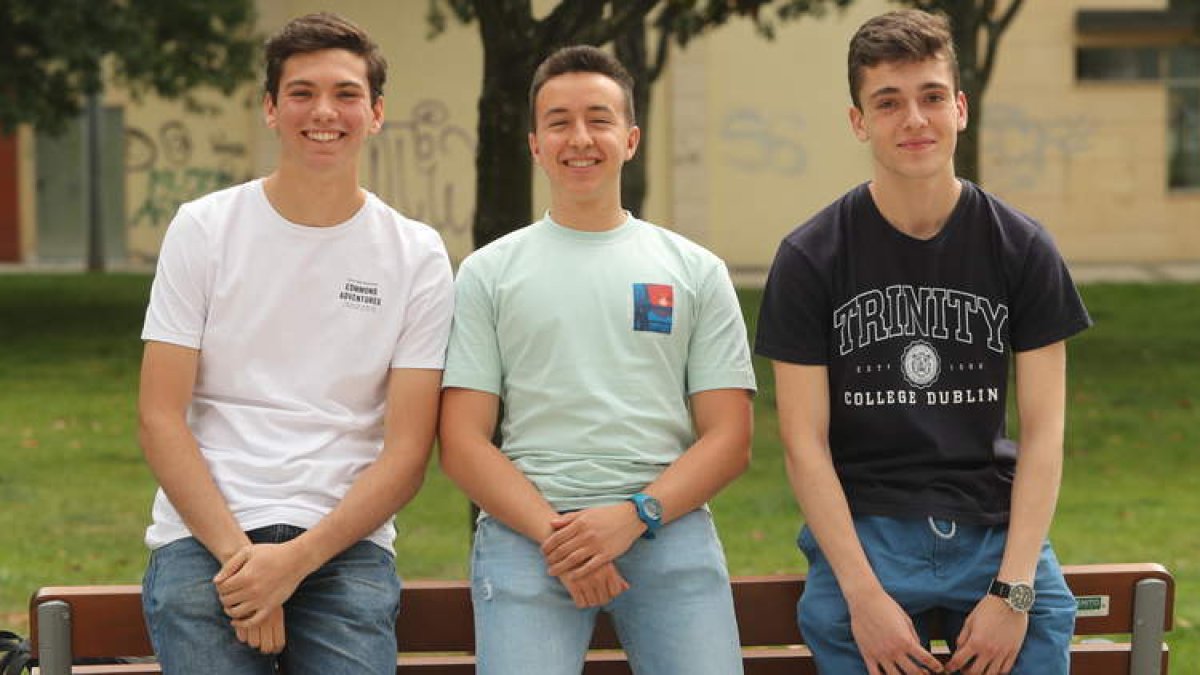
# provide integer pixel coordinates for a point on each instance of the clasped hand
(252, 586)
(583, 547)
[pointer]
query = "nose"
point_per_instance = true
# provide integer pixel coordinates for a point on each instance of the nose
(324, 108)
(913, 117)
(580, 138)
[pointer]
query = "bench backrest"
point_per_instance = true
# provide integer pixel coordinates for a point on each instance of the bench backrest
(435, 628)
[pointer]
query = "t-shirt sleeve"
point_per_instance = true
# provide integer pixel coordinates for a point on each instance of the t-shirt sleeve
(792, 323)
(718, 352)
(179, 298)
(473, 357)
(422, 342)
(1047, 306)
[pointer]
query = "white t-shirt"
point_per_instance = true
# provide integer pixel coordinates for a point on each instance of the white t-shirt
(297, 328)
(595, 341)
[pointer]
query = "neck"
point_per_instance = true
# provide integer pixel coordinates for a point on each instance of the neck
(918, 208)
(588, 216)
(314, 200)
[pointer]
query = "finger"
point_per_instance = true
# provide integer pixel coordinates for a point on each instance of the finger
(241, 634)
(232, 565)
(924, 658)
(563, 519)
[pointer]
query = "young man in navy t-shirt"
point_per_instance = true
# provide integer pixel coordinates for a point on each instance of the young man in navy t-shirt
(890, 317)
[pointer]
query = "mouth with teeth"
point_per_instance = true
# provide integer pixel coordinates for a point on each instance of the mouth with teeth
(581, 163)
(323, 136)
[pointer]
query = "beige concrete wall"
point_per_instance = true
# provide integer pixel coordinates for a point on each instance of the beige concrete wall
(1087, 159)
(765, 139)
(748, 138)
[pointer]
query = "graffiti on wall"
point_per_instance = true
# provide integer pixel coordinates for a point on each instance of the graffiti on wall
(757, 142)
(1020, 145)
(425, 167)
(161, 171)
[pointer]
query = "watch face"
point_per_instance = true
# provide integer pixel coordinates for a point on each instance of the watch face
(652, 507)
(1020, 597)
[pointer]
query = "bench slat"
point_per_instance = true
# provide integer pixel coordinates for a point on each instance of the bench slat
(435, 627)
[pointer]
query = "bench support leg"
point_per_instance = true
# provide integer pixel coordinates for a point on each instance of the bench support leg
(54, 638)
(1149, 611)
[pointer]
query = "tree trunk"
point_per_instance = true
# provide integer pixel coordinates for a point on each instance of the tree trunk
(503, 167)
(631, 51)
(964, 24)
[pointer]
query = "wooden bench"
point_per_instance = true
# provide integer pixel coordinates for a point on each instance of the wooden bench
(1134, 602)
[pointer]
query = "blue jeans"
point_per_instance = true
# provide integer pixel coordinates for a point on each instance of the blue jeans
(676, 617)
(926, 565)
(341, 619)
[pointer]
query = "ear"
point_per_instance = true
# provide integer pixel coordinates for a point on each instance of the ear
(376, 115)
(269, 111)
(632, 141)
(960, 102)
(534, 148)
(858, 124)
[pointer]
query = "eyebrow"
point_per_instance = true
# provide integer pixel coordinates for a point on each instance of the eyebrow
(591, 109)
(342, 84)
(889, 91)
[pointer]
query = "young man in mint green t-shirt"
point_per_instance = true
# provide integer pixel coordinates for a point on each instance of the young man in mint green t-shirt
(620, 356)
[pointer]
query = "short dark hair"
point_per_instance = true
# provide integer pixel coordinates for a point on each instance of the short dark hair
(315, 32)
(903, 35)
(581, 59)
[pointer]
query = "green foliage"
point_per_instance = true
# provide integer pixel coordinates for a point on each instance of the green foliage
(54, 54)
(76, 494)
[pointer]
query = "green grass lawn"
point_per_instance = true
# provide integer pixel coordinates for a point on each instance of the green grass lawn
(75, 494)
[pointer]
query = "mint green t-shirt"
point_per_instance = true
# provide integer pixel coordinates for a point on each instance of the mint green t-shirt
(594, 342)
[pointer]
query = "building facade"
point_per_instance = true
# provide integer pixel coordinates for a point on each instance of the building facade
(1091, 123)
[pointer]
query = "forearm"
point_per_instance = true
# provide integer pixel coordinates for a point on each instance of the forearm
(1034, 497)
(1041, 401)
(381, 490)
(720, 454)
(491, 480)
(175, 460)
(827, 513)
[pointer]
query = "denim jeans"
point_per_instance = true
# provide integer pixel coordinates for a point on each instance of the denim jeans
(676, 618)
(341, 619)
(933, 564)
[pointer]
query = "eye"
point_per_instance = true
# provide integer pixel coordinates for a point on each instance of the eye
(349, 95)
(299, 94)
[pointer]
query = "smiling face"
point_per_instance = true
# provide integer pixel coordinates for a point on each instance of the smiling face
(582, 138)
(911, 114)
(323, 112)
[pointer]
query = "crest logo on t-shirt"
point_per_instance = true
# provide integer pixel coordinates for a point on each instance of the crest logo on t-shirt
(920, 364)
(653, 307)
(361, 295)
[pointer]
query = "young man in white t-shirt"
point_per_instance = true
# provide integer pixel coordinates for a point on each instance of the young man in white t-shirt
(289, 393)
(620, 355)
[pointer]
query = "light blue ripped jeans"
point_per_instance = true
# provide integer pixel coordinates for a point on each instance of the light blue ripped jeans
(676, 618)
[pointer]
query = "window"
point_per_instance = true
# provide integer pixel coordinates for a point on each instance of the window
(1117, 63)
(1178, 67)
(1183, 117)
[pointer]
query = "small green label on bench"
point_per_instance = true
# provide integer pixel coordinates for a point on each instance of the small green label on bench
(1092, 605)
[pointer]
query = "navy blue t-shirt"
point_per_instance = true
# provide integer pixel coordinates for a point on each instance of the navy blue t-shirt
(916, 335)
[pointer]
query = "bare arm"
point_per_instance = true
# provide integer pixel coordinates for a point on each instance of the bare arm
(724, 419)
(481, 470)
(167, 379)
(884, 633)
(993, 633)
(262, 577)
